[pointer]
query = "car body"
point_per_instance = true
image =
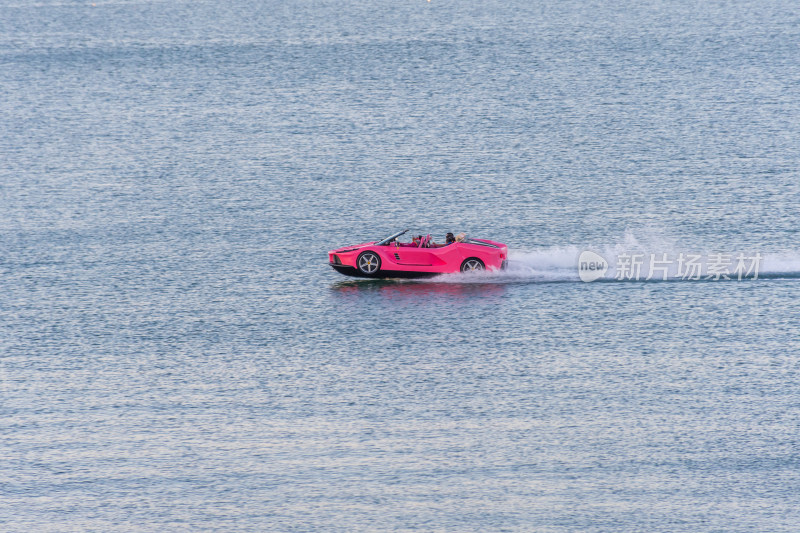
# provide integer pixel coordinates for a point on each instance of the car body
(390, 258)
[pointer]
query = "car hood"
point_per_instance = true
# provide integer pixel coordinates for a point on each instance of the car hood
(351, 247)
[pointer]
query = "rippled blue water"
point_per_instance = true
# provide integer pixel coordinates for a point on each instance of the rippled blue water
(175, 353)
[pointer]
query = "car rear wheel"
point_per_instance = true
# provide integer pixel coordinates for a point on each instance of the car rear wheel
(472, 265)
(369, 263)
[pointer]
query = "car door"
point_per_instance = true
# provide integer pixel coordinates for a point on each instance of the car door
(412, 256)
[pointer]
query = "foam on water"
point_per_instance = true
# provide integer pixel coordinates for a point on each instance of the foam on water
(561, 263)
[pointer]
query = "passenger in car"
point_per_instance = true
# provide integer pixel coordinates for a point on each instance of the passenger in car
(449, 239)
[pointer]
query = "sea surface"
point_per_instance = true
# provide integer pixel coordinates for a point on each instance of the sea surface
(177, 355)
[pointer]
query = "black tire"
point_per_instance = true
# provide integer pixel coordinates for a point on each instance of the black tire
(369, 263)
(472, 264)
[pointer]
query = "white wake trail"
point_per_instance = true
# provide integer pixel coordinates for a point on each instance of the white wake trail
(657, 260)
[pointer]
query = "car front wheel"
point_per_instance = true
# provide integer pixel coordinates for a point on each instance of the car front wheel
(369, 263)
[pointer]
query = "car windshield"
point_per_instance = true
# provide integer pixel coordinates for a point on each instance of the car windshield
(387, 240)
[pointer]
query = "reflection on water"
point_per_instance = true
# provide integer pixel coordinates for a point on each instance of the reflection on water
(414, 291)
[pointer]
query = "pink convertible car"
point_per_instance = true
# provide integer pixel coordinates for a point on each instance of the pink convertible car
(421, 257)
